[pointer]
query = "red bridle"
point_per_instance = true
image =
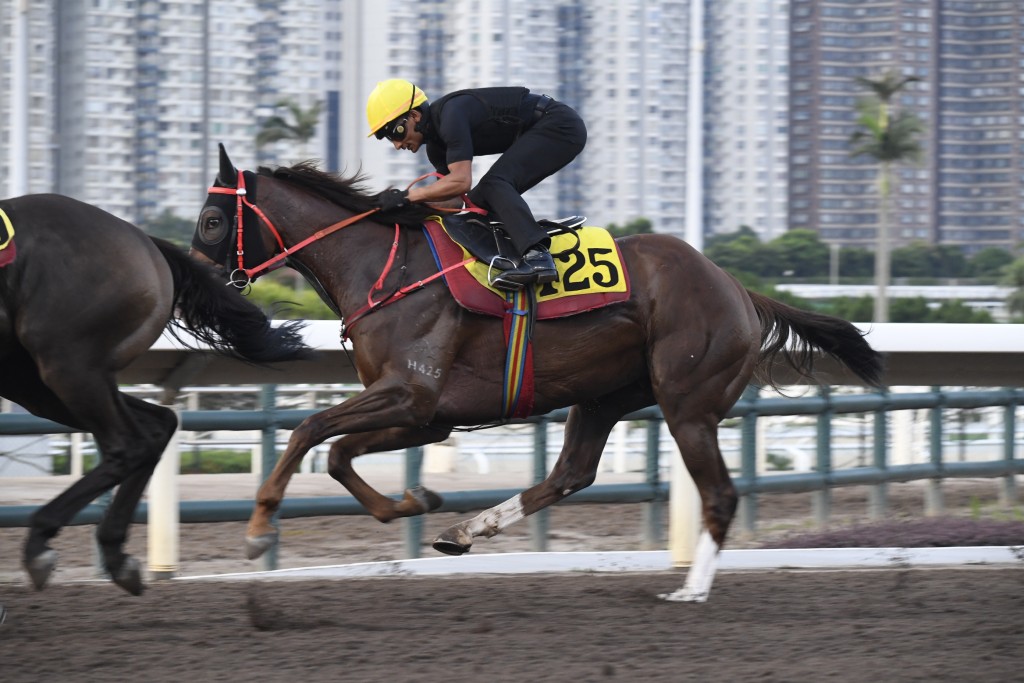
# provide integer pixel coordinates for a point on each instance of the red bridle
(242, 277)
(277, 260)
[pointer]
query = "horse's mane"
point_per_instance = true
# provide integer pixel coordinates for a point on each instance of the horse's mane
(347, 192)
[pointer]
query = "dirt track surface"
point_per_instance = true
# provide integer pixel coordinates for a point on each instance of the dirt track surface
(892, 625)
(887, 625)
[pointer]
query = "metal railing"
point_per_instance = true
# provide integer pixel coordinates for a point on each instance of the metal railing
(652, 492)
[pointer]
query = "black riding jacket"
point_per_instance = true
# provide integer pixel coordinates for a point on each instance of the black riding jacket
(476, 122)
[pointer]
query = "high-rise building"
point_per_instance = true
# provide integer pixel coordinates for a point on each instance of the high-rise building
(40, 114)
(969, 189)
(747, 127)
(129, 98)
(635, 106)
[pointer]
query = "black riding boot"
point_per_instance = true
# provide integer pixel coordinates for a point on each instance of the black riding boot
(536, 267)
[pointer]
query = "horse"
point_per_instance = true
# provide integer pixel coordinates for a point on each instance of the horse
(86, 294)
(689, 339)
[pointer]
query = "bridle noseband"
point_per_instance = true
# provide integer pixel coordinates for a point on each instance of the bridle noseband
(241, 277)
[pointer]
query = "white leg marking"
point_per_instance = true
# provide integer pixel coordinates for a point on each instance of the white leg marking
(493, 521)
(701, 574)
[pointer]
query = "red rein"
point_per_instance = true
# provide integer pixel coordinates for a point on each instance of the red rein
(242, 201)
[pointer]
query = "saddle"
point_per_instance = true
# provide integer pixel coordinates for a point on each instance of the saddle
(591, 271)
(488, 241)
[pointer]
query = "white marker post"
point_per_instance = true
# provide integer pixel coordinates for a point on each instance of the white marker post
(164, 517)
(684, 521)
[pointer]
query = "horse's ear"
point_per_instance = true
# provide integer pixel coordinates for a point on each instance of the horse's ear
(228, 174)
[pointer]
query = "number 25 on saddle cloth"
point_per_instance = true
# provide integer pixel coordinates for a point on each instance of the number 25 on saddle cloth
(7, 249)
(591, 274)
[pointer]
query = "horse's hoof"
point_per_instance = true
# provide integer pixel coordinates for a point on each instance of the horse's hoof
(685, 595)
(427, 500)
(450, 547)
(129, 576)
(454, 541)
(40, 567)
(255, 546)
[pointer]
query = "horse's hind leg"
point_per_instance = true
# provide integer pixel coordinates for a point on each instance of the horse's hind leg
(155, 425)
(97, 406)
(692, 417)
(586, 433)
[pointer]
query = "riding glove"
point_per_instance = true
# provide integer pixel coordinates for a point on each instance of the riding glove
(392, 199)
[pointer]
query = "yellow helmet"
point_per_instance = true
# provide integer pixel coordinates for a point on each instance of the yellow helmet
(389, 100)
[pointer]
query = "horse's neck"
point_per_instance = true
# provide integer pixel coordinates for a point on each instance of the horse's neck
(350, 262)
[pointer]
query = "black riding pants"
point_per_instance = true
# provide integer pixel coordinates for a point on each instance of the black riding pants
(540, 151)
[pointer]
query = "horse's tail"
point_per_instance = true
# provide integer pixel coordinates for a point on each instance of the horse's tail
(220, 317)
(811, 331)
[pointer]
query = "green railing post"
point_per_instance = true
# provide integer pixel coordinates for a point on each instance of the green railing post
(879, 496)
(413, 525)
(822, 499)
(540, 521)
(748, 461)
(268, 453)
(654, 510)
(1008, 492)
(933, 504)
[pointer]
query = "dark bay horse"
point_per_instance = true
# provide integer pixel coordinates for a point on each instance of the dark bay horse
(689, 338)
(86, 294)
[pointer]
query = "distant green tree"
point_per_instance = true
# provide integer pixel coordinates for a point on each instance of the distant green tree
(285, 303)
(742, 254)
(170, 227)
(854, 309)
(856, 262)
(726, 237)
(957, 311)
(949, 261)
(1015, 278)
(913, 260)
(293, 123)
(990, 262)
(800, 252)
(637, 226)
(910, 310)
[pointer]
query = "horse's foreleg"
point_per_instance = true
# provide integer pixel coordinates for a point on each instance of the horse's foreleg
(416, 501)
(381, 406)
(586, 432)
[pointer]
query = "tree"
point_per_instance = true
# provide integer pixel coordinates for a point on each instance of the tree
(301, 127)
(913, 260)
(637, 226)
(889, 137)
(856, 262)
(1015, 278)
(738, 252)
(990, 262)
(170, 227)
(799, 252)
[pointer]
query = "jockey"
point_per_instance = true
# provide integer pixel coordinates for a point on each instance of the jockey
(535, 135)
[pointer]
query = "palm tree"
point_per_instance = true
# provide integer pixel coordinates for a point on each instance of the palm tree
(889, 137)
(301, 128)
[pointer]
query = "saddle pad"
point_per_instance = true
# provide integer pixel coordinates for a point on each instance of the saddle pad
(590, 275)
(7, 249)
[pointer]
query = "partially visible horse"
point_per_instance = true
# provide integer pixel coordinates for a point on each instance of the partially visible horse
(85, 295)
(689, 338)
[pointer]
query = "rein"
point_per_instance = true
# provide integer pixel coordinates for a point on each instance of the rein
(241, 203)
(242, 277)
